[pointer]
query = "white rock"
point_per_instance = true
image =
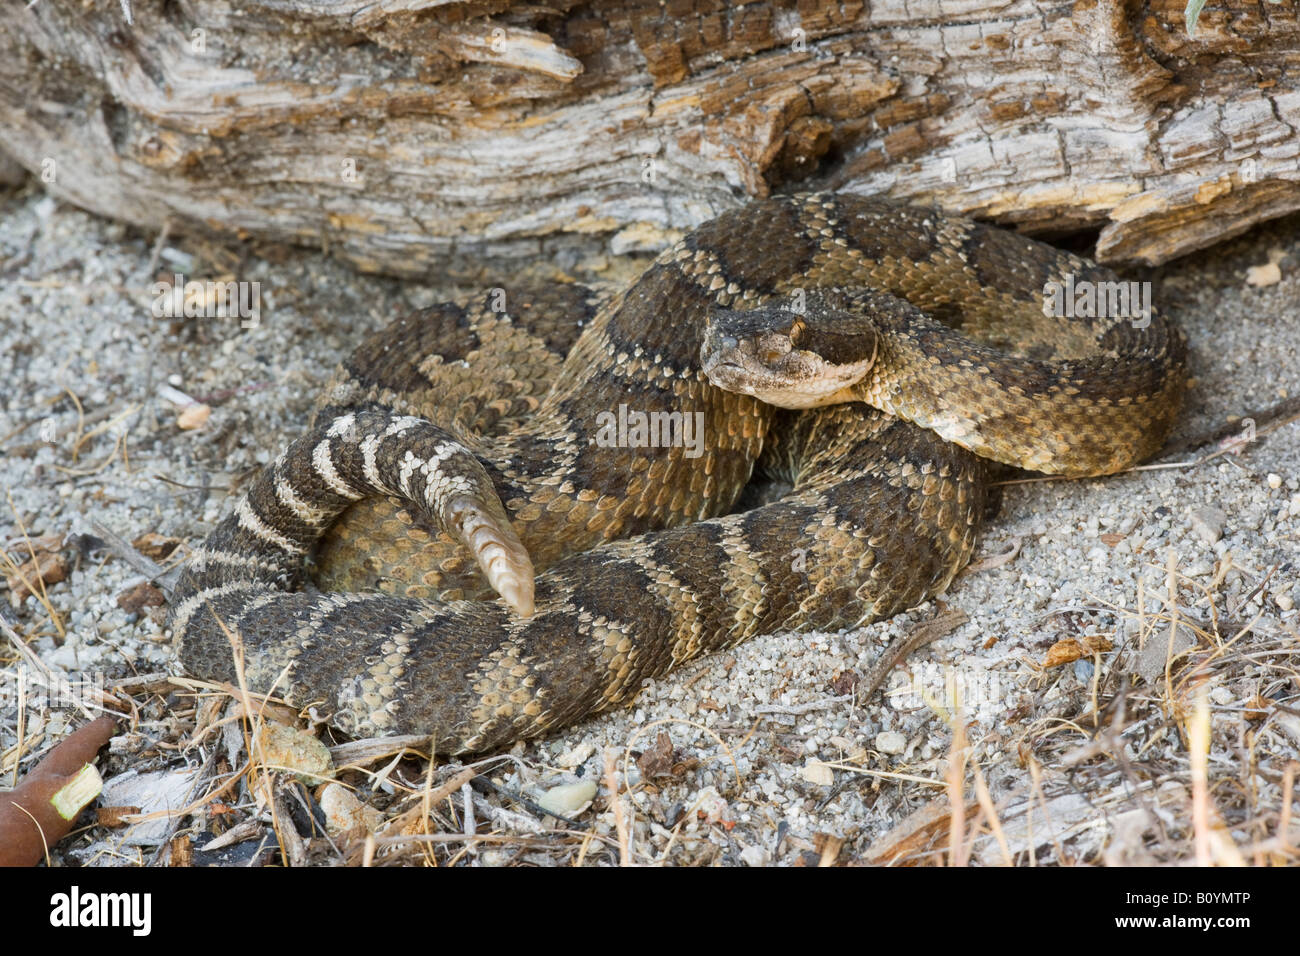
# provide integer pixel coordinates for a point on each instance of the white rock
(1208, 523)
(343, 811)
(568, 799)
(753, 856)
(577, 756)
(817, 773)
(890, 742)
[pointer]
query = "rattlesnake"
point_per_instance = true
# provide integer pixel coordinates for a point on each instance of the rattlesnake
(466, 413)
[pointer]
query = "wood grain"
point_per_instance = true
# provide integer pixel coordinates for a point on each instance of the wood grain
(407, 136)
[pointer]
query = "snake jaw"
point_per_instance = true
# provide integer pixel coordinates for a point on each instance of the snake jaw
(787, 357)
(500, 554)
(788, 378)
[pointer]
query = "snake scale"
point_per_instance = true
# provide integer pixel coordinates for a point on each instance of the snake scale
(464, 544)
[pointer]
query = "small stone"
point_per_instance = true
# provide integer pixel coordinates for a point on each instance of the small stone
(753, 856)
(890, 742)
(344, 812)
(1151, 661)
(1208, 523)
(286, 748)
(568, 799)
(1221, 696)
(817, 773)
(712, 808)
(192, 417)
(1268, 274)
(1285, 601)
(577, 756)
(1274, 480)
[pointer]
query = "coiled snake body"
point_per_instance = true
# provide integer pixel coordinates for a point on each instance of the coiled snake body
(466, 453)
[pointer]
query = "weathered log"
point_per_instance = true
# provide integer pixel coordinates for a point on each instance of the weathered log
(407, 135)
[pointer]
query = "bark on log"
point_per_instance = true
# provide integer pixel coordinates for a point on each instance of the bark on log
(407, 135)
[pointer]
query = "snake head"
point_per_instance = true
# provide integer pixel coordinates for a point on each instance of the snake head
(799, 351)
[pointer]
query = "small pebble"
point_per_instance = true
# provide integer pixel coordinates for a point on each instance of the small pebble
(1208, 523)
(1274, 480)
(192, 417)
(568, 799)
(817, 773)
(1151, 661)
(753, 856)
(344, 812)
(577, 756)
(890, 742)
(288, 748)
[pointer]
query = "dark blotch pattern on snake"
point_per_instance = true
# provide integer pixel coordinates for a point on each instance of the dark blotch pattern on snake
(456, 458)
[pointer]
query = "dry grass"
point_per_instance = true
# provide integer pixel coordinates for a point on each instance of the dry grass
(1123, 772)
(1207, 784)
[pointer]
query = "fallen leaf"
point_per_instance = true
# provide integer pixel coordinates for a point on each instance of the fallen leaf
(1257, 708)
(1063, 652)
(48, 567)
(844, 682)
(658, 760)
(155, 546)
(141, 596)
(1069, 650)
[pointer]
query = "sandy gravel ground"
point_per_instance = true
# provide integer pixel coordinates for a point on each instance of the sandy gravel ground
(769, 756)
